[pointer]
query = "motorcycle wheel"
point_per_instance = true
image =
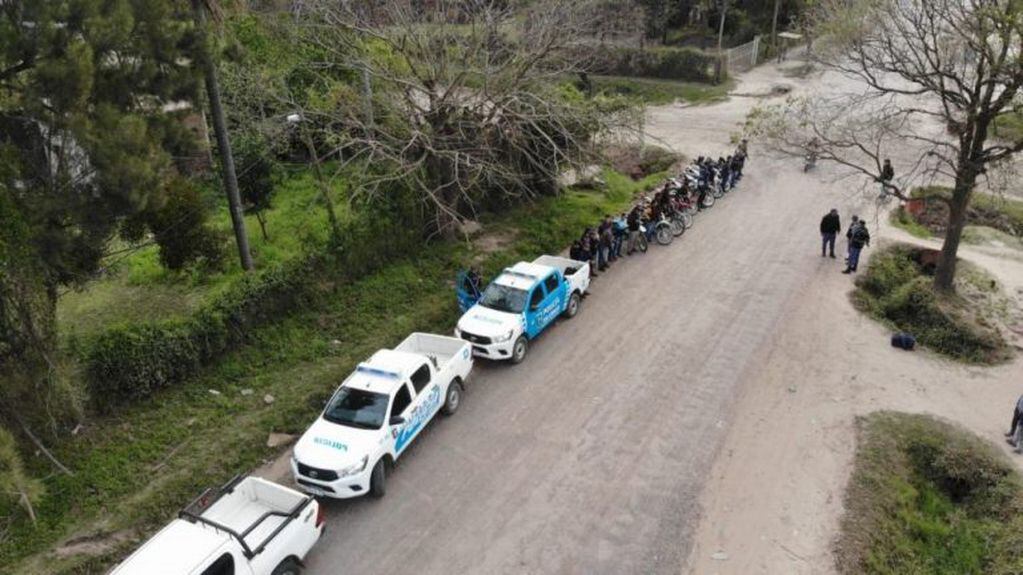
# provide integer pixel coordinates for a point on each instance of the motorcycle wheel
(708, 200)
(642, 244)
(688, 220)
(678, 225)
(718, 192)
(663, 234)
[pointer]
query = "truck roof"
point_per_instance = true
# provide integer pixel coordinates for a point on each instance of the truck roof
(385, 371)
(180, 547)
(523, 275)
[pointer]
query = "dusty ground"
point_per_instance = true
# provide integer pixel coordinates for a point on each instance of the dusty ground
(697, 416)
(774, 496)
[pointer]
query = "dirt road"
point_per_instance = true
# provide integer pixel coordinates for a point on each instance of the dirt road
(590, 457)
(697, 416)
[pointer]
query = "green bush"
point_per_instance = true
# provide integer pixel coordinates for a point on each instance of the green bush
(687, 64)
(896, 290)
(130, 362)
(928, 497)
(181, 230)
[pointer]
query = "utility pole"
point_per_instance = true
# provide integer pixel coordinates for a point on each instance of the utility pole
(774, 28)
(223, 142)
(721, 37)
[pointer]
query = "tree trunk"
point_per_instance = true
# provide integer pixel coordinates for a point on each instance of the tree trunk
(262, 224)
(223, 142)
(944, 275)
(321, 182)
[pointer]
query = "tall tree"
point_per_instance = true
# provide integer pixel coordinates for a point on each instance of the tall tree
(466, 113)
(82, 83)
(933, 76)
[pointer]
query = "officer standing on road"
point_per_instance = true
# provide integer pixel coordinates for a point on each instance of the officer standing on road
(830, 226)
(859, 237)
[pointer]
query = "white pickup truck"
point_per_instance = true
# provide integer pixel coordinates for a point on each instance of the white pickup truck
(376, 413)
(248, 527)
(520, 303)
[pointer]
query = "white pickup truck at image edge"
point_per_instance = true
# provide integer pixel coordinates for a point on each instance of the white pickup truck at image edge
(377, 412)
(249, 526)
(521, 303)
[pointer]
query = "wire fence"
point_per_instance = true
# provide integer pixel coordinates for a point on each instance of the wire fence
(742, 58)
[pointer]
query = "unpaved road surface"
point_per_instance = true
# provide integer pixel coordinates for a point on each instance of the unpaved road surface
(590, 457)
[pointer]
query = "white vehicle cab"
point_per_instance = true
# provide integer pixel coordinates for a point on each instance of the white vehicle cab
(376, 413)
(248, 527)
(520, 303)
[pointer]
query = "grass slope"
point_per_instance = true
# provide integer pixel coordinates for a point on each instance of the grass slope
(134, 470)
(657, 92)
(897, 290)
(137, 287)
(929, 497)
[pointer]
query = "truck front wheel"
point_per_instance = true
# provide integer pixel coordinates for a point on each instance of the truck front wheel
(573, 306)
(378, 480)
(288, 567)
(519, 349)
(453, 398)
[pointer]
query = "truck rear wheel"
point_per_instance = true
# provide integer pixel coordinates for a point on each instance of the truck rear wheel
(378, 480)
(288, 567)
(453, 398)
(573, 306)
(519, 349)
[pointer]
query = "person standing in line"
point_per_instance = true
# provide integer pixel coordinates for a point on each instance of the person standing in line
(831, 224)
(621, 229)
(859, 239)
(848, 236)
(596, 255)
(1016, 425)
(633, 222)
(606, 231)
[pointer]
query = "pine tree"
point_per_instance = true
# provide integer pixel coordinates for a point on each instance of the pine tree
(82, 86)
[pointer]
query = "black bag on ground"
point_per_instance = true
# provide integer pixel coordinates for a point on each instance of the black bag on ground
(904, 341)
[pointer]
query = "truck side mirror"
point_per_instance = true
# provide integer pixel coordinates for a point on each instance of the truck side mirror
(397, 420)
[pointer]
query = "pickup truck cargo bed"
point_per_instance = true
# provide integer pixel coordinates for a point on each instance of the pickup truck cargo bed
(440, 349)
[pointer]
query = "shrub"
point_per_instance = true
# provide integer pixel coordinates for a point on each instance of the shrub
(180, 229)
(926, 496)
(895, 289)
(687, 64)
(131, 362)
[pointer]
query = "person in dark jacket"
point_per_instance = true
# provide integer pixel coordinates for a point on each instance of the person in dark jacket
(576, 252)
(633, 222)
(830, 226)
(859, 238)
(1017, 421)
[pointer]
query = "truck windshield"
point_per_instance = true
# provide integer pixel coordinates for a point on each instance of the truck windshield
(504, 298)
(357, 408)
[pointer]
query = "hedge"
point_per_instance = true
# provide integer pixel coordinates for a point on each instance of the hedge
(687, 64)
(130, 362)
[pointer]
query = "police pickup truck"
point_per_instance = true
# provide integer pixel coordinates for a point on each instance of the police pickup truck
(376, 413)
(248, 527)
(520, 303)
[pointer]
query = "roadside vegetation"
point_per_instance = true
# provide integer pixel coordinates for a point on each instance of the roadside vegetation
(993, 211)
(656, 92)
(927, 496)
(896, 290)
(139, 361)
(134, 467)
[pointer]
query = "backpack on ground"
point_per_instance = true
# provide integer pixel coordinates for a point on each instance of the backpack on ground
(904, 341)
